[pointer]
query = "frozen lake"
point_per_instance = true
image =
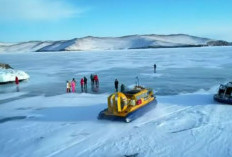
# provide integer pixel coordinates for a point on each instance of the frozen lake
(179, 70)
(43, 121)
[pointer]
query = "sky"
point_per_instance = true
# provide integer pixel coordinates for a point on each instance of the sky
(26, 20)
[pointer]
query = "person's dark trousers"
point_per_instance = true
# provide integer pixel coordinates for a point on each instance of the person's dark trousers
(92, 82)
(97, 83)
(85, 86)
(81, 88)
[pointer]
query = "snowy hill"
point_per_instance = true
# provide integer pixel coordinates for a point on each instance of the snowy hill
(113, 43)
(30, 46)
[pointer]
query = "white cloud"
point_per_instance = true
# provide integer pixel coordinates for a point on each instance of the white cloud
(37, 10)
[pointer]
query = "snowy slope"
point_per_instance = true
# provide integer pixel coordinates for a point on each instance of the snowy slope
(6, 44)
(179, 39)
(30, 46)
(58, 45)
(126, 42)
(111, 43)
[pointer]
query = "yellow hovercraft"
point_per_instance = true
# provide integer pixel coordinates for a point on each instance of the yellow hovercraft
(127, 106)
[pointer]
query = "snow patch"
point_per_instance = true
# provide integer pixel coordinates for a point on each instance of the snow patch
(153, 75)
(8, 75)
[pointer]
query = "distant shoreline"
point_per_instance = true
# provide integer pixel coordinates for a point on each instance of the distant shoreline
(114, 43)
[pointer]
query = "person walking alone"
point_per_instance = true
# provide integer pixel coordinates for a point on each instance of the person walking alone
(116, 85)
(154, 68)
(17, 83)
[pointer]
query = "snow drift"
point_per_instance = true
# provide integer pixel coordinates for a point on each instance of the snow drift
(113, 43)
(8, 74)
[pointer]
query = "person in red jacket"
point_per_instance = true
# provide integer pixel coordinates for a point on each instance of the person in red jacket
(82, 84)
(17, 83)
(96, 80)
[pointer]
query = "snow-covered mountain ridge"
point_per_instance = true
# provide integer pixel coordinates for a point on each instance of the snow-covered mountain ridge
(113, 43)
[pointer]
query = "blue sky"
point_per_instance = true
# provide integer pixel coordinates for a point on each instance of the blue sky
(24, 20)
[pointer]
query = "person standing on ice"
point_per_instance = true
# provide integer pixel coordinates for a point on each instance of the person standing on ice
(68, 87)
(82, 84)
(73, 85)
(137, 81)
(85, 84)
(116, 85)
(96, 80)
(17, 83)
(92, 80)
(154, 68)
(122, 88)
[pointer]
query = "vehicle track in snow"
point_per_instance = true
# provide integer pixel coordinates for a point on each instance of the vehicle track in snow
(156, 119)
(189, 145)
(128, 134)
(198, 118)
(94, 140)
(97, 143)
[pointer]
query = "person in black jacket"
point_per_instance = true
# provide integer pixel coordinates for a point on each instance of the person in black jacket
(85, 84)
(154, 68)
(122, 88)
(92, 80)
(116, 85)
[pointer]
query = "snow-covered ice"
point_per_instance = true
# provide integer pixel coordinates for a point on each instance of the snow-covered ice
(8, 75)
(41, 120)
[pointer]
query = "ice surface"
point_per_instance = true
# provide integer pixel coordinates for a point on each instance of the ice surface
(179, 70)
(41, 120)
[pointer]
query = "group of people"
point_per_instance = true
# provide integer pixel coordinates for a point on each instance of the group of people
(94, 81)
(71, 85)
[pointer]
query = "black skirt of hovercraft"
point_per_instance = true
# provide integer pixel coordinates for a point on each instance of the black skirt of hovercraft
(131, 116)
(224, 100)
